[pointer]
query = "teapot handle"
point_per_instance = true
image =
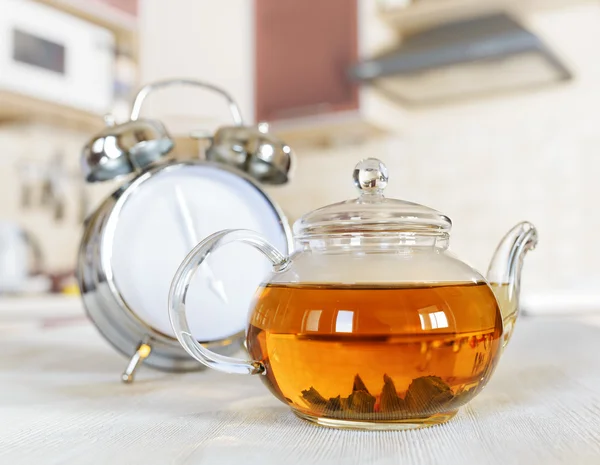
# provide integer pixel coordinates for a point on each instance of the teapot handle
(179, 290)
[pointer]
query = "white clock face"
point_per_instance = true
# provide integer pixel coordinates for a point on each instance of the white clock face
(163, 219)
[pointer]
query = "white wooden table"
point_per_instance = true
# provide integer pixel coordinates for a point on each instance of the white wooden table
(61, 402)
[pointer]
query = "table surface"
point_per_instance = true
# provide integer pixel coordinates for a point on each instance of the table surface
(61, 402)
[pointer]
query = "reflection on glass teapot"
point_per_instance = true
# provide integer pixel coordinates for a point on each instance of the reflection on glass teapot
(372, 323)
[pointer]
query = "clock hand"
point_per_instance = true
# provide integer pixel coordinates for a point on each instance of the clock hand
(214, 284)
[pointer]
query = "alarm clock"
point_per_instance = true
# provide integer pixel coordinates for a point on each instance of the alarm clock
(134, 242)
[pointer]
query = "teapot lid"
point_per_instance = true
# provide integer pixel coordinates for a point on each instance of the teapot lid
(371, 212)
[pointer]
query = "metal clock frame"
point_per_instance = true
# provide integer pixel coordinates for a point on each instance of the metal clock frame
(104, 303)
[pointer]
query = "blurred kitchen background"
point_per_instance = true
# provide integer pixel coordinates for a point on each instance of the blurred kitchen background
(486, 110)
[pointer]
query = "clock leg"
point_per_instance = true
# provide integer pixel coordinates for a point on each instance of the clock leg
(142, 352)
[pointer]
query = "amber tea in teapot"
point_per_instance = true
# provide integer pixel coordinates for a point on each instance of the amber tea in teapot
(371, 322)
(372, 352)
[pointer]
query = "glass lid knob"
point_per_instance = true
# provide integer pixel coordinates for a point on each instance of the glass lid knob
(370, 176)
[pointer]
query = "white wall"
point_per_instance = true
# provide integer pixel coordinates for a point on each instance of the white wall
(202, 39)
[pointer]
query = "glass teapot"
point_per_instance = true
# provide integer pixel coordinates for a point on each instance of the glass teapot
(371, 323)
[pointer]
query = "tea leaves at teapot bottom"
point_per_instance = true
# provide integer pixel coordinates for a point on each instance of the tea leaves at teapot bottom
(426, 395)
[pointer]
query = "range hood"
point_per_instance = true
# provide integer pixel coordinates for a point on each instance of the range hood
(474, 57)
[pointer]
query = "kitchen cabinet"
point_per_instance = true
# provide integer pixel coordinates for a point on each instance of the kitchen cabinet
(303, 52)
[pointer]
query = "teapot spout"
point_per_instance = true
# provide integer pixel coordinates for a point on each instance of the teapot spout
(504, 273)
